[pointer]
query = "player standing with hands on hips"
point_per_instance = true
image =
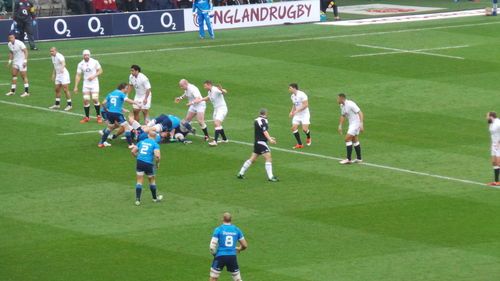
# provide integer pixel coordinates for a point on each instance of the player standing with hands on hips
(203, 10)
(24, 18)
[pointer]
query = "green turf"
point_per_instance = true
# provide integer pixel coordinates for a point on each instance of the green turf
(67, 212)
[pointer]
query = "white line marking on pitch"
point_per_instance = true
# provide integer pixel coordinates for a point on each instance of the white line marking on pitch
(402, 51)
(277, 41)
(78, 133)
(288, 150)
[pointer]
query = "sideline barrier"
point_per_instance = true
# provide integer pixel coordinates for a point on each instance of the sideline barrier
(164, 21)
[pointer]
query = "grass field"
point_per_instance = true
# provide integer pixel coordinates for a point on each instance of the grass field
(66, 208)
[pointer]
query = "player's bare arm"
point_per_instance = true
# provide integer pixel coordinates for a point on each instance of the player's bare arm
(146, 96)
(305, 104)
(78, 76)
(178, 99)
(11, 56)
(157, 158)
(25, 51)
(92, 77)
(361, 127)
(224, 91)
(53, 75)
(134, 151)
(290, 115)
(341, 122)
(269, 138)
(196, 101)
(243, 244)
(63, 66)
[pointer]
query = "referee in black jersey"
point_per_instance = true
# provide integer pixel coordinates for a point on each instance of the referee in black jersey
(24, 16)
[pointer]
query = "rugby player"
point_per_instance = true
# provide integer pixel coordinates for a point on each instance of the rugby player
(350, 110)
(300, 114)
(18, 61)
(494, 128)
(60, 76)
(196, 106)
(216, 96)
(91, 69)
(140, 83)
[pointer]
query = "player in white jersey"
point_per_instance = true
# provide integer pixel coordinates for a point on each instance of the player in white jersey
(140, 83)
(350, 110)
(196, 106)
(300, 114)
(216, 96)
(18, 61)
(494, 128)
(60, 76)
(91, 70)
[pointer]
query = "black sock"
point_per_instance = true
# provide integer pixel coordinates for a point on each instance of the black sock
(335, 10)
(69, 103)
(26, 89)
(152, 187)
(223, 134)
(216, 135)
(58, 101)
(358, 151)
(497, 173)
(205, 131)
(308, 134)
(87, 111)
(138, 191)
(97, 109)
(349, 151)
(297, 136)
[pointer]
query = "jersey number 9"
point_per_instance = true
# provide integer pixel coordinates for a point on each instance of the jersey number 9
(113, 101)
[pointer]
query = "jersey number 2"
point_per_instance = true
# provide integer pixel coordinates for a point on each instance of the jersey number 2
(144, 150)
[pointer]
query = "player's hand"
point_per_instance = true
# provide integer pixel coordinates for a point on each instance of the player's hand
(75, 90)
(272, 140)
(24, 64)
(361, 128)
(219, 87)
(238, 250)
(145, 101)
(189, 104)
(340, 131)
(53, 78)
(177, 100)
(91, 78)
(292, 113)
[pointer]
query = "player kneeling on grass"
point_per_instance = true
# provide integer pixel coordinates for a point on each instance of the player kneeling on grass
(351, 111)
(494, 128)
(260, 147)
(114, 107)
(148, 158)
(223, 247)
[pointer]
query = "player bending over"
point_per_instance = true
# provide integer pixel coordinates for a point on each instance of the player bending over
(260, 147)
(351, 111)
(114, 105)
(148, 158)
(196, 106)
(223, 247)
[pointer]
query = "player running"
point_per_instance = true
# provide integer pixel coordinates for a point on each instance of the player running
(91, 69)
(18, 61)
(260, 147)
(114, 106)
(203, 10)
(299, 114)
(60, 76)
(148, 158)
(494, 128)
(223, 247)
(351, 111)
(216, 96)
(196, 106)
(140, 83)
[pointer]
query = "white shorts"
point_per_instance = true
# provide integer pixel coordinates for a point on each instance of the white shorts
(353, 129)
(139, 100)
(92, 88)
(303, 119)
(20, 66)
(495, 150)
(62, 78)
(220, 113)
(195, 108)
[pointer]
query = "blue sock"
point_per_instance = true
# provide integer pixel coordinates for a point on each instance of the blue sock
(153, 190)
(129, 137)
(105, 136)
(188, 126)
(138, 190)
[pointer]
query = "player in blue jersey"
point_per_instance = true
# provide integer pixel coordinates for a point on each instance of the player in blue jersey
(148, 158)
(113, 104)
(203, 10)
(223, 247)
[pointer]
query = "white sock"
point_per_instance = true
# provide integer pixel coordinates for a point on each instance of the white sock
(245, 166)
(269, 169)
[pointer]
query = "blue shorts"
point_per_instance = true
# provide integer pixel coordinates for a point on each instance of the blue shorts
(230, 262)
(104, 115)
(145, 168)
(115, 118)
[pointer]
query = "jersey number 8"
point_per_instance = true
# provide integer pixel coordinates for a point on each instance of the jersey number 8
(229, 241)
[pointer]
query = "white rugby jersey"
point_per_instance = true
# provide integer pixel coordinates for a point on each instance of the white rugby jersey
(17, 49)
(495, 131)
(351, 110)
(58, 61)
(217, 97)
(192, 93)
(298, 100)
(89, 68)
(140, 83)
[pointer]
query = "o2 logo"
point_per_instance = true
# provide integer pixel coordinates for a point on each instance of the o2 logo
(94, 25)
(135, 25)
(61, 28)
(170, 23)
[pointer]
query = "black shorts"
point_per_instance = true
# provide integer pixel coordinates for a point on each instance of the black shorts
(115, 117)
(145, 168)
(104, 115)
(261, 147)
(230, 262)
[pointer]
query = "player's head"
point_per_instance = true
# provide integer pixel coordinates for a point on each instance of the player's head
(490, 116)
(183, 84)
(262, 112)
(135, 69)
(86, 55)
(341, 98)
(122, 87)
(227, 218)
(152, 134)
(207, 85)
(293, 88)
(53, 51)
(11, 37)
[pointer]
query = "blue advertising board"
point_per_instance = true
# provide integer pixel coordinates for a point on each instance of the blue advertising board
(101, 25)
